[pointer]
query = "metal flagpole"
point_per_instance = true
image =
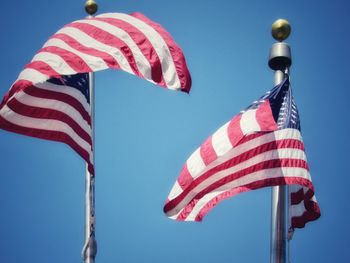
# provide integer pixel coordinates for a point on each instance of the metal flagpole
(90, 245)
(279, 61)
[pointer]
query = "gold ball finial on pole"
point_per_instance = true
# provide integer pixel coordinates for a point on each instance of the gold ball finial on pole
(280, 29)
(91, 7)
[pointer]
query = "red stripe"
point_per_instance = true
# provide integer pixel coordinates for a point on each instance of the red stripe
(207, 151)
(264, 117)
(47, 135)
(234, 131)
(167, 200)
(297, 197)
(53, 95)
(312, 213)
(16, 87)
(110, 40)
(73, 60)
(187, 210)
(185, 178)
(43, 113)
(144, 45)
(287, 143)
(252, 186)
(110, 61)
(43, 68)
(175, 50)
(250, 137)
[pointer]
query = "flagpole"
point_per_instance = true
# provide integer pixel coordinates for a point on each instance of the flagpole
(90, 245)
(279, 61)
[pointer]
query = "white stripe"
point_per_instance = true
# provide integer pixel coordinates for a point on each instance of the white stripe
(256, 176)
(55, 61)
(168, 67)
(73, 92)
(248, 122)
(174, 217)
(175, 191)
(195, 164)
(220, 141)
(267, 174)
(32, 75)
(45, 124)
(294, 210)
(313, 198)
(142, 63)
(201, 203)
(287, 134)
(297, 210)
(270, 155)
(54, 105)
(95, 63)
(90, 42)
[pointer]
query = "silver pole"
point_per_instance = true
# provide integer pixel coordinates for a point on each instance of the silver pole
(279, 61)
(90, 246)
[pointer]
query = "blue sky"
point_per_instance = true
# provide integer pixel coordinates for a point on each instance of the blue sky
(144, 134)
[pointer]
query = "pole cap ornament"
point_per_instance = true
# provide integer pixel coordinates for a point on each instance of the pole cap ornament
(280, 29)
(91, 7)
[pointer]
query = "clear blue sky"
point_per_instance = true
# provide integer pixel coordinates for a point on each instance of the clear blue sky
(144, 134)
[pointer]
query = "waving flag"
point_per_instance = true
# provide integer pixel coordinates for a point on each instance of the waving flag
(49, 101)
(261, 146)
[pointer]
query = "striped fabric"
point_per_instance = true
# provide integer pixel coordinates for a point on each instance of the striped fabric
(303, 205)
(46, 101)
(262, 146)
(57, 110)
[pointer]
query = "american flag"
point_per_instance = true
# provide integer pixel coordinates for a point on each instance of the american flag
(50, 99)
(57, 109)
(261, 146)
